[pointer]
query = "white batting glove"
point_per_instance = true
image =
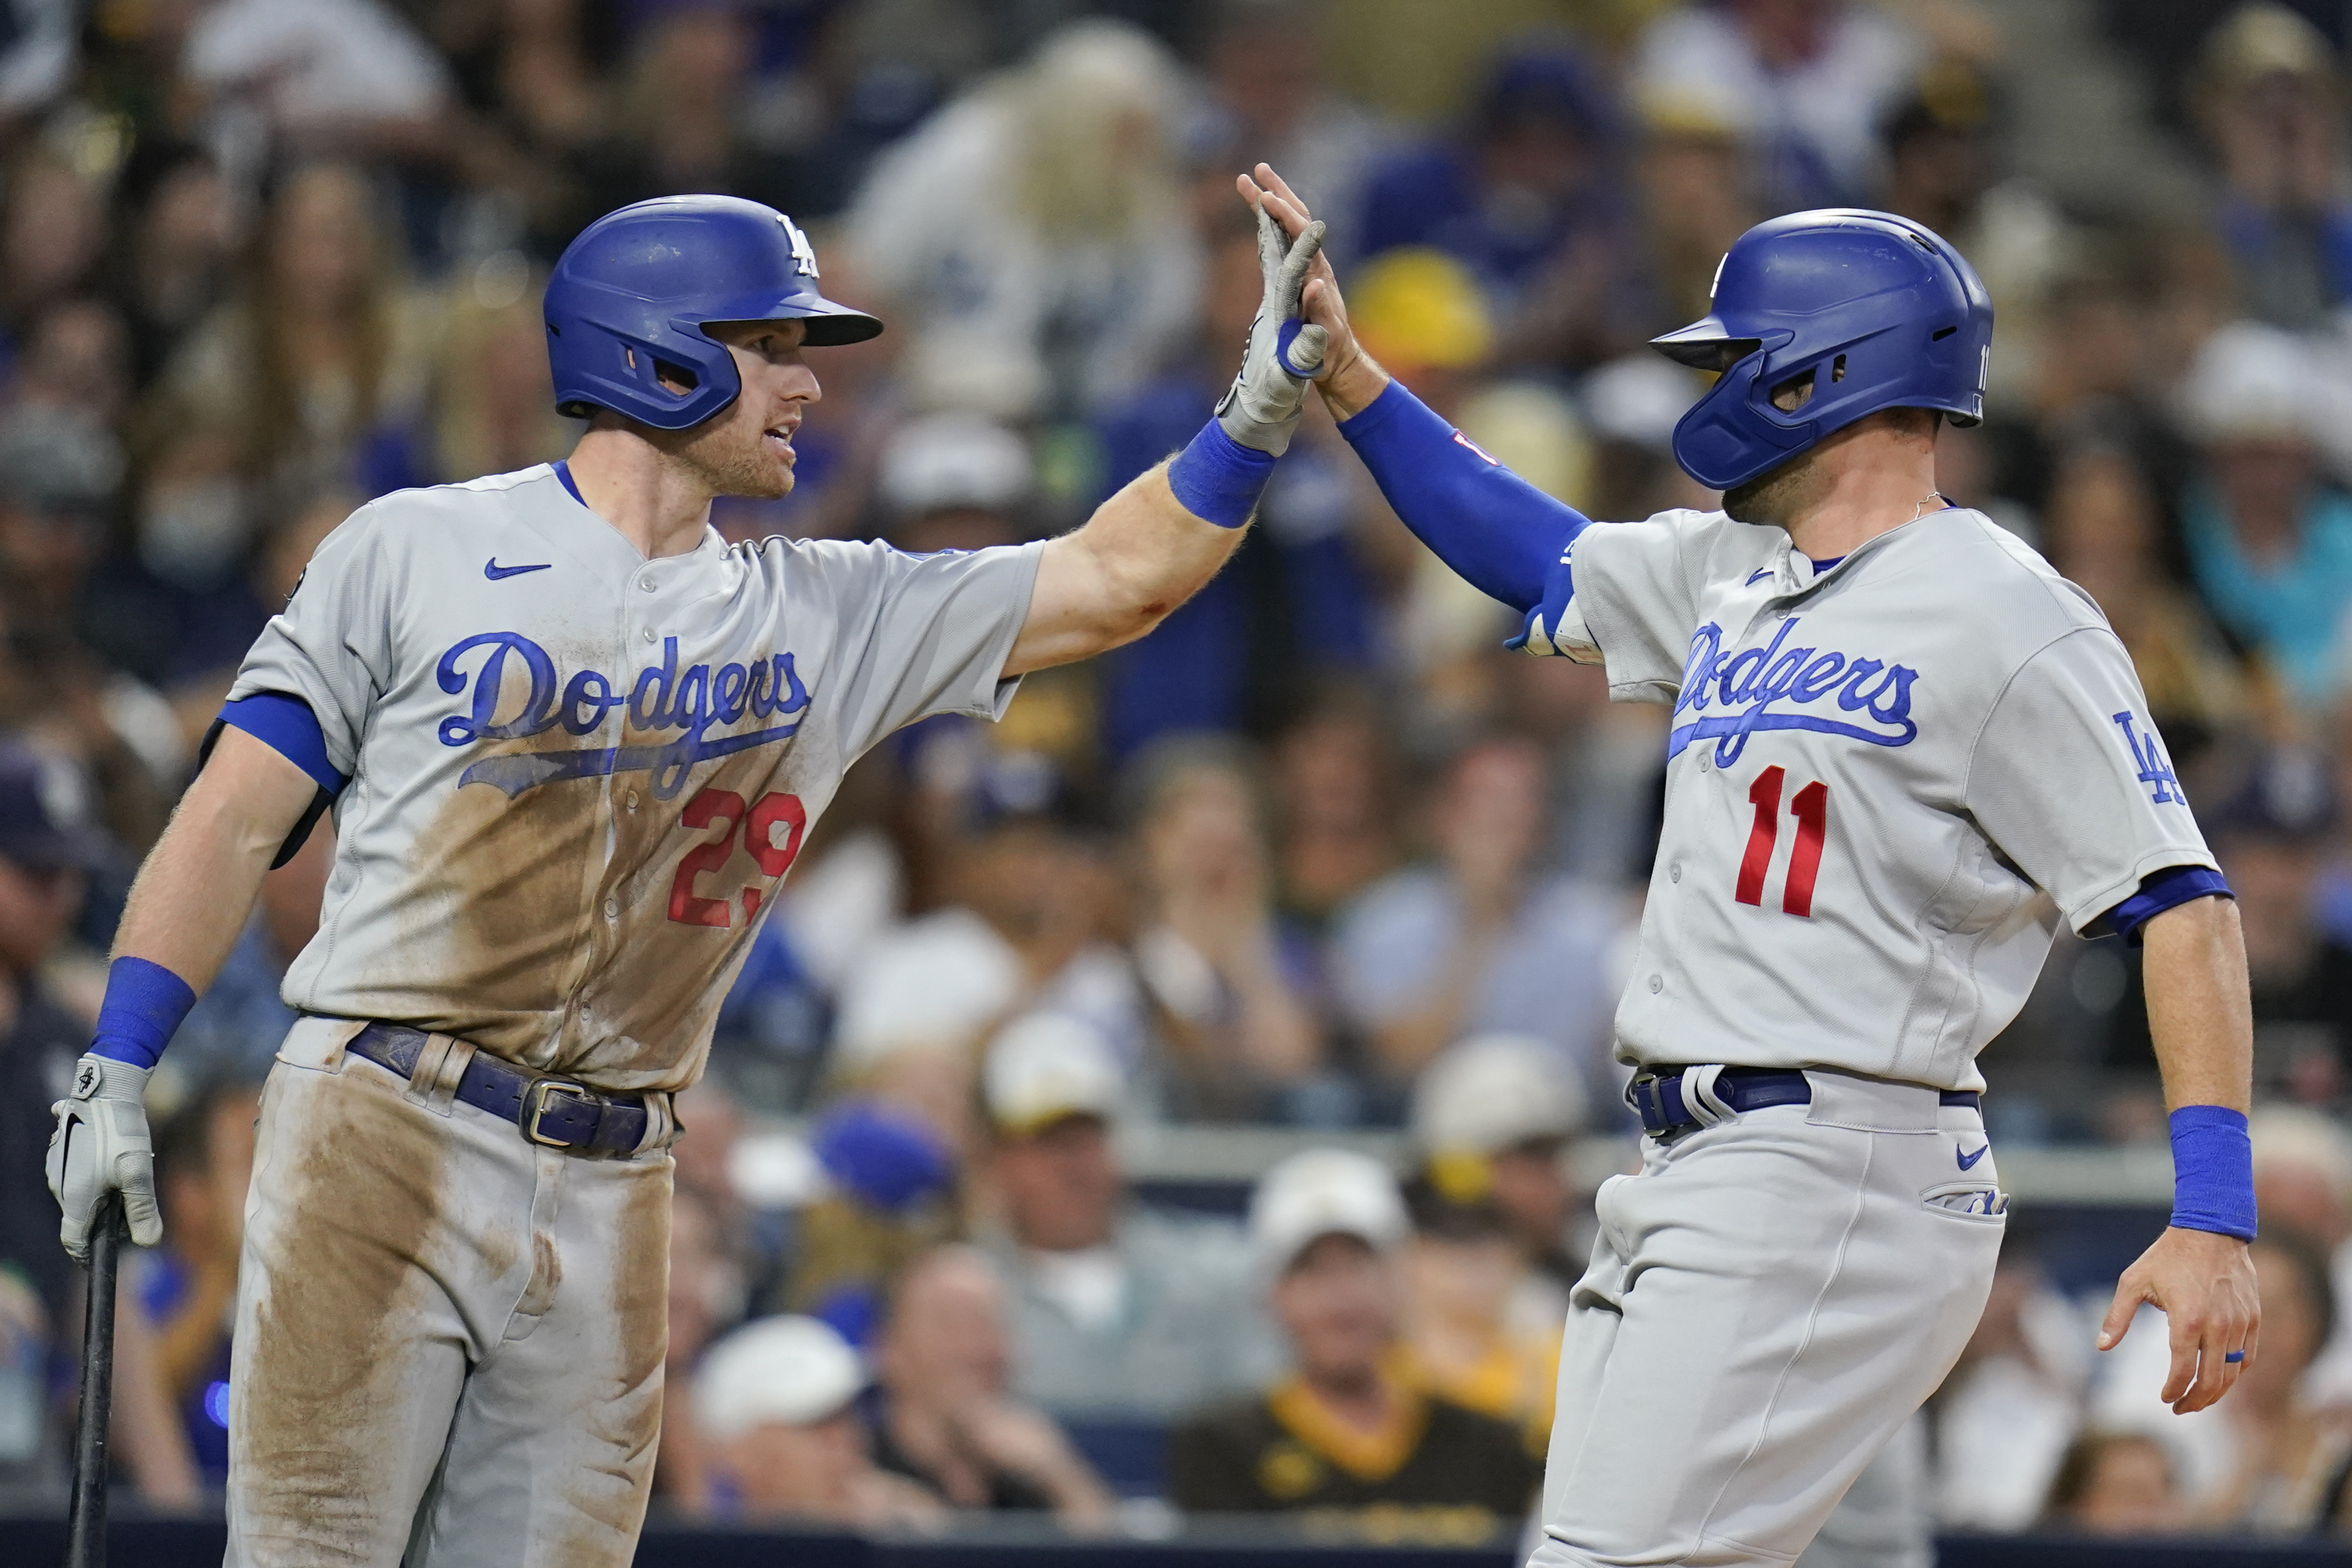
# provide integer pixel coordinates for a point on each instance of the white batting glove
(1261, 408)
(102, 1145)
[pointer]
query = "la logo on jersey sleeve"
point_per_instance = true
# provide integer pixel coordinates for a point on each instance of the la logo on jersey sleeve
(2154, 768)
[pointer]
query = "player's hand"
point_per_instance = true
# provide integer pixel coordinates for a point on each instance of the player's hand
(2205, 1286)
(1261, 408)
(1348, 379)
(102, 1145)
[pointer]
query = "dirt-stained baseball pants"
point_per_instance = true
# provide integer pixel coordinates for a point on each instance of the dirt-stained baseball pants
(450, 1340)
(1769, 1300)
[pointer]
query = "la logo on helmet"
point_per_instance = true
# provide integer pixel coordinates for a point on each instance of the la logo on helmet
(804, 254)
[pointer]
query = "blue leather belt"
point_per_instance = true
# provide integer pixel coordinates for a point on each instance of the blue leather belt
(1656, 1094)
(552, 1111)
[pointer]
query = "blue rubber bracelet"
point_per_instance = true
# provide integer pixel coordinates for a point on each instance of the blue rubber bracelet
(144, 1004)
(1217, 479)
(2212, 1171)
(1282, 341)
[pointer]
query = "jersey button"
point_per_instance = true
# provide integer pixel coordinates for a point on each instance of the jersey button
(1706, 763)
(1657, 984)
(649, 634)
(612, 912)
(1673, 872)
(633, 800)
(647, 583)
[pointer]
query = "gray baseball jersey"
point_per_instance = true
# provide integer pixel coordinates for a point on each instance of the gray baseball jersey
(1887, 783)
(577, 775)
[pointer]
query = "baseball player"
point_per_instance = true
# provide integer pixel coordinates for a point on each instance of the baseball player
(1902, 750)
(573, 740)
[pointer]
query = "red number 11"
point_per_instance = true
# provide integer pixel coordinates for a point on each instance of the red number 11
(1812, 810)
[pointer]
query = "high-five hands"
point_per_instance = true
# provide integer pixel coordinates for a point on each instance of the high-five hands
(1348, 379)
(1261, 409)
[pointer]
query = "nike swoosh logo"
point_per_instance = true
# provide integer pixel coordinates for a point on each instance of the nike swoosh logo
(493, 571)
(1968, 1161)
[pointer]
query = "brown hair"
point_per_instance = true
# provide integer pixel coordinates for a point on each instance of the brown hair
(2081, 1463)
(274, 422)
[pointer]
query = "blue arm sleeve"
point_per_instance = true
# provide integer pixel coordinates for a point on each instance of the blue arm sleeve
(1502, 534)
(2159, 891)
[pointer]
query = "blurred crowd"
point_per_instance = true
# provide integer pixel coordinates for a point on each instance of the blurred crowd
(1318, 854)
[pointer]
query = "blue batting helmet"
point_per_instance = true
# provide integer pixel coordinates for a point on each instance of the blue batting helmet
(629, 297)
(1876, 310)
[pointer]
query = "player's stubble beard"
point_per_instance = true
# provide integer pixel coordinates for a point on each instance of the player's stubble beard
(1776, 497)
(728, 455)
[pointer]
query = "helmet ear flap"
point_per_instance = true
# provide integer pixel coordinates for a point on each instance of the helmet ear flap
(1722, 433)
(669, 386)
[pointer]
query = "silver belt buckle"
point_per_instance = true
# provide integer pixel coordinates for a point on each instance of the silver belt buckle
(534, 1108)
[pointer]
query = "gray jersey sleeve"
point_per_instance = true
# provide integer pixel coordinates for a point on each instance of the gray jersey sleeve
(2071, 781)
(1636, 591)
(921, 633)
(331, 645)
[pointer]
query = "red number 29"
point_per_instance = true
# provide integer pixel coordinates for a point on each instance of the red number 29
(1812, 810)
(759, 826)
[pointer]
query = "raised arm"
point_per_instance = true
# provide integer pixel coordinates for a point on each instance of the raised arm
(1503, 536)
(185, 912)
(1152, 545)
(2198, 1271)
(1140, 557)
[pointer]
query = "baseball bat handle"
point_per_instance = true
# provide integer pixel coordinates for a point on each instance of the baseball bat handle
(86, 1524)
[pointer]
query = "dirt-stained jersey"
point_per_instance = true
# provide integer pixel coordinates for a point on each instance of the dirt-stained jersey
(577, 774)
(1887, 783)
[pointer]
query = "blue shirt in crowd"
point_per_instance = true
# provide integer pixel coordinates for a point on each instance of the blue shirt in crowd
(2294, 611)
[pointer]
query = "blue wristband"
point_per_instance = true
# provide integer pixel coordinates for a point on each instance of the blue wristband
(1217, 479)
(2212, 1171)
(144, 1004)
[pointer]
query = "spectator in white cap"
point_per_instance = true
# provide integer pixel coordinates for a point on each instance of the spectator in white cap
(1633, 404)
(776, 1402)
(2269, 544)
(1493, 1118)
(2303, 1183)
(956, 480)
(1120, 1312)
(1488, 1270)
(1344, 1430)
